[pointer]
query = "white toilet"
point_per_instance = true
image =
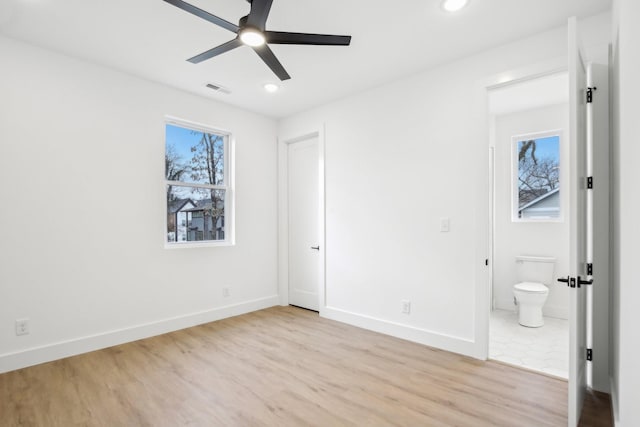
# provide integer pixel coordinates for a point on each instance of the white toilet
(533, 274)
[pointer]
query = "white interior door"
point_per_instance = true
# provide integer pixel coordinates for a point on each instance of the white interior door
(304, 202)
(580, 232)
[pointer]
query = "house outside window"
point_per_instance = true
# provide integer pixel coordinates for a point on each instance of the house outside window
(197, 180)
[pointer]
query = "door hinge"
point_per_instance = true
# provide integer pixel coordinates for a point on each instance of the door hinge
(590, 182)
(589, 354)
(589, 269)
(590, 94)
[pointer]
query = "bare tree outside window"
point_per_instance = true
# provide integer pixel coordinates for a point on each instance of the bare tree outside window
(174, 169)
(538, 177)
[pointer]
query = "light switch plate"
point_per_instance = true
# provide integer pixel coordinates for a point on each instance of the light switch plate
(444, 225)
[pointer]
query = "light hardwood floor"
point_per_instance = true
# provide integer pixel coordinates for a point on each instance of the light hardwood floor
(278, 367)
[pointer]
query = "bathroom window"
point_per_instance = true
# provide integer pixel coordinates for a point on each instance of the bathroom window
(536, 177)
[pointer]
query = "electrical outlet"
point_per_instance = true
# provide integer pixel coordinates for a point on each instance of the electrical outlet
(444, 225)
(22, 326)
(406, 306)
(226, 292)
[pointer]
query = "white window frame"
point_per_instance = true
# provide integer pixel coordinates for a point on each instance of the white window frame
(228, 187)
(514, 175)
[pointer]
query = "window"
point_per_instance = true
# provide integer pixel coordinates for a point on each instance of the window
(536, 177)
(197, 170)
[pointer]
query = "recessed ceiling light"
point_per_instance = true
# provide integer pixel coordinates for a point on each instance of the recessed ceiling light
(454, 5)
(252, 37)
(271, 87)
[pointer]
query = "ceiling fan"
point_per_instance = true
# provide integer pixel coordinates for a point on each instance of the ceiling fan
(251, 31)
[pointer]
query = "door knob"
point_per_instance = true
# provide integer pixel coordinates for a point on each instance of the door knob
(316, 248)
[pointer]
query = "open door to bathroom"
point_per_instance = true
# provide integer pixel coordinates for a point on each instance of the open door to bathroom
(579, 276)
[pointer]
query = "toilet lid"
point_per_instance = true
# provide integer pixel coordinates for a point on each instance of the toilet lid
(532, 287)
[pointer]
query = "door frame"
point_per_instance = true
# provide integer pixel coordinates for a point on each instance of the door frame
(484, 276)
(284, 142)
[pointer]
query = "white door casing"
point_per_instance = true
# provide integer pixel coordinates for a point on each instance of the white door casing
(484, 298)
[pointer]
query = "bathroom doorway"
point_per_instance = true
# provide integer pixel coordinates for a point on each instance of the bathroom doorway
(530, 160)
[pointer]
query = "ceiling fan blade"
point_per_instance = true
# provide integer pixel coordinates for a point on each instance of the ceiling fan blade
(204, 15)
(270, 59)
(216, 51)
(259, 13)
(279, 37)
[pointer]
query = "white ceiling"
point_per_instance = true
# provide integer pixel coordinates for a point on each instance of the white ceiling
(152, 39)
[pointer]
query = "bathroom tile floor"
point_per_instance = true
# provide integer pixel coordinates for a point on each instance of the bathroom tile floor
(544, 349)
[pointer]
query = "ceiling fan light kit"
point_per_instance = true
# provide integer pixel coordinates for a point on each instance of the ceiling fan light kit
(252, 37)
(251, 32)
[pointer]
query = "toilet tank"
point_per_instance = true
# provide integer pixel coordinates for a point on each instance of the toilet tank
(535, 269)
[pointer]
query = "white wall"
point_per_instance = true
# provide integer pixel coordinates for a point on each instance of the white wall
(529, 238)
(81, 166)
(625, 212)
(398, 158)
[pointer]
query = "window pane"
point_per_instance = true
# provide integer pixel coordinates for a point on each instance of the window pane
(194, 156)
(194, 214)
(539, 178)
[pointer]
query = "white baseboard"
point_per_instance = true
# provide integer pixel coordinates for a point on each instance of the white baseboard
(556, 312)
(59, 350)
(506, 305)
(409, 333)
(548, 310)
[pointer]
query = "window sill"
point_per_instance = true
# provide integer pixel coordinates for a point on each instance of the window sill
(537, 220)
(191, 245)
